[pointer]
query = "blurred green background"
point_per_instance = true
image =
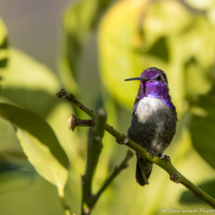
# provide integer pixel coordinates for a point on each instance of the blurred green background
(89, 47)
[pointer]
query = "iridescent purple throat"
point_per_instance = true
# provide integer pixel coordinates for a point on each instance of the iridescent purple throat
(155, 89)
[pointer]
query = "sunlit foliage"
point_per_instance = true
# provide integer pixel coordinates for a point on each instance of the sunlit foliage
(105, 42)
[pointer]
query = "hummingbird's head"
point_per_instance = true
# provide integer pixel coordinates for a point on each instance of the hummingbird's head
(152, 75)
(153, 84)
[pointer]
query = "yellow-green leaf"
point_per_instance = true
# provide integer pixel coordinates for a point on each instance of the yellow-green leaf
(80, 20)
(30, 84)
(4, 52)
(202, 128)
(118, 34)
(201, 5)
(39, 144)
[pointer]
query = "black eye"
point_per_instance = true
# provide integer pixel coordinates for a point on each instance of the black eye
(158, 78)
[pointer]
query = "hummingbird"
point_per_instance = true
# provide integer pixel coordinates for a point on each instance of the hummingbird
(154, 119)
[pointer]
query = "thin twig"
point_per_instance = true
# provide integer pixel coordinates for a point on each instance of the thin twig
(73, 122)
(94, 151)
(175, 176)
(116, 171)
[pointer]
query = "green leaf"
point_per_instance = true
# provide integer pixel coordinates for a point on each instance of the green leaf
(79, 22)
(195, 72)
(16, 176)
(208, 187)
(160, 49)
(202, 127)
(201, 5)
(118, 34)
(4, 53)
(39, 144)
(30, 84)
(9, 141)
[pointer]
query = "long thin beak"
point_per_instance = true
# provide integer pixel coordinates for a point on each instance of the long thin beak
(138, 79)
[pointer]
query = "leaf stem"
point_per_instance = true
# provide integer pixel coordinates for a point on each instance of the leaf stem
(65, 206)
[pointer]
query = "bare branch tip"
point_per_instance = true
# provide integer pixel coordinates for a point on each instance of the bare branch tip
(61, 94)
(102, 112)
(72, 122)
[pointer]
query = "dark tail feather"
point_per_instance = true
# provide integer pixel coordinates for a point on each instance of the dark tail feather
(143, 171)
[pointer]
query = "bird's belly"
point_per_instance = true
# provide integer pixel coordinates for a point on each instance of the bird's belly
(153, 125)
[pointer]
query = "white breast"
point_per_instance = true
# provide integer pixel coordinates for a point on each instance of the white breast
(148, 107)
(154, 110)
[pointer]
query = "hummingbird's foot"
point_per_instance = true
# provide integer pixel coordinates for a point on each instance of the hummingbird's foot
(164, 157)
(150, 153)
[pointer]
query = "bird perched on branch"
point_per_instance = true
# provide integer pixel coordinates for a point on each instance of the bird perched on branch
(154, 119)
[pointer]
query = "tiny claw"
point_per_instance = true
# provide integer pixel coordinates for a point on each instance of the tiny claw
(164, 157)
(151, 153)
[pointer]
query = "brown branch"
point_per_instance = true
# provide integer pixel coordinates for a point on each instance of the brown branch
(116, 171)
(93, 153)
(73, 122)
(175, 176)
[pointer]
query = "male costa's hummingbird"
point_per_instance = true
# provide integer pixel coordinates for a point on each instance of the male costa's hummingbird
(154, 119)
